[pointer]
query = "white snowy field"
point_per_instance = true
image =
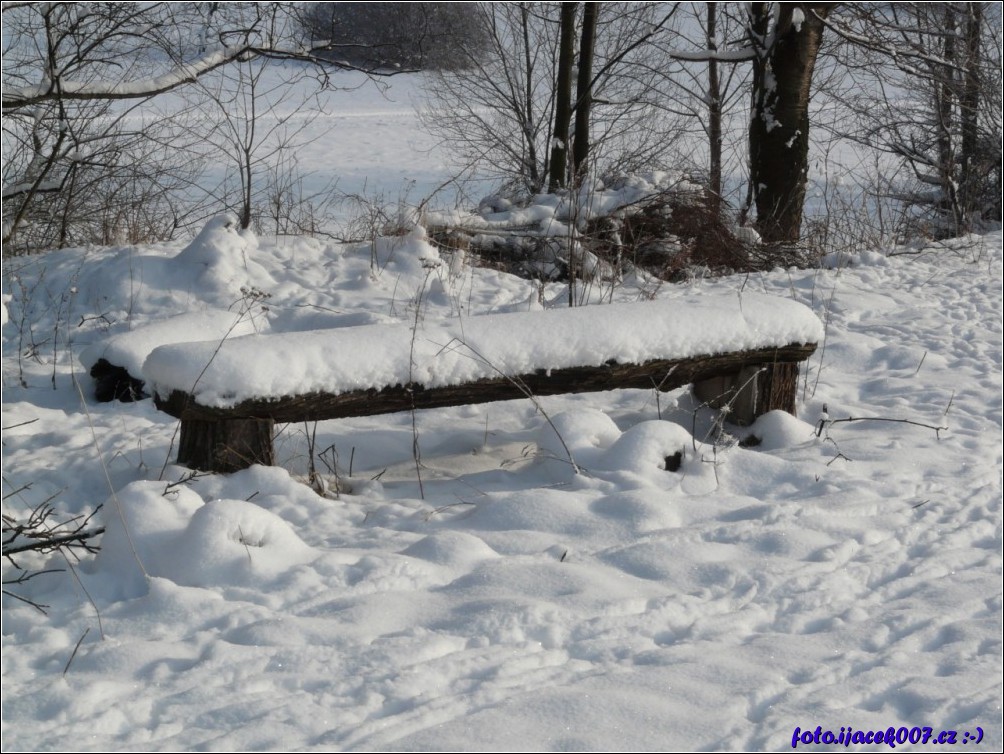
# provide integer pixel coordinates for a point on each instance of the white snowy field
(494, 599)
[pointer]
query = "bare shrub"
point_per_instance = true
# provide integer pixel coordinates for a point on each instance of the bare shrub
(38, 531)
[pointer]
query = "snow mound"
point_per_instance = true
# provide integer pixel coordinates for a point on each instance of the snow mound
(219, 243)
(236, 542)
(408, 254)
(219, 257)
(173, 534)
(779, 429)
(586, 433)
(451, 548)
(646, 446)
(143, 524)
(639, 512)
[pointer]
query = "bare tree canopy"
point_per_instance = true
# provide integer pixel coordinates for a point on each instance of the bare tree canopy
(86, 153)
(502, 110)
(87, 51)
(931, 96)
(539, 95)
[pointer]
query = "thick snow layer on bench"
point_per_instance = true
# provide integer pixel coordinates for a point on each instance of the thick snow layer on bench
(130, 349)
(455, 351)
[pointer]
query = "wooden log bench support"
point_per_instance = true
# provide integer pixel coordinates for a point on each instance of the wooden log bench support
(749, 382)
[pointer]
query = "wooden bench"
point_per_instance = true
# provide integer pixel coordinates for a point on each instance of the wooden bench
(738, 352)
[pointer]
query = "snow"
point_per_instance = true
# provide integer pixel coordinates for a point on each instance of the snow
(797, 19)
(846, 578)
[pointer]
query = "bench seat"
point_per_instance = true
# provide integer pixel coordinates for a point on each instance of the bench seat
(740, 351)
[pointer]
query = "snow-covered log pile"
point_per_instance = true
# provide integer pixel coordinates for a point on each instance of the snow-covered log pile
(660, 222)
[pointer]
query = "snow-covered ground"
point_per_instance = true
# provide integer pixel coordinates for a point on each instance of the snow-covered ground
(846, 580)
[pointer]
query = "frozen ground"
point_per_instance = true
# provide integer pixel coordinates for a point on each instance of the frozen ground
(851, 579)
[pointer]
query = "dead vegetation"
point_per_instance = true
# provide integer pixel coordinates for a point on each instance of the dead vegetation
(674, 235)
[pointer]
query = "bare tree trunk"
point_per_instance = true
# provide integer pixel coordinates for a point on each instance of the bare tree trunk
(246, 184)
(969, 105)
(584, 88)
(714, 117)
(536, 178)
(779, 128)
(563, 106)
(945, 92)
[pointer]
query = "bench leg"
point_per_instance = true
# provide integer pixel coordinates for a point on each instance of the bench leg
(752, 391)
(226, 445)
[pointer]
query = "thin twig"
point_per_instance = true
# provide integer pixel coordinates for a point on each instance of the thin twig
(43, 544)
(108, 481)
(29, 575)
(416, 450)
(949, 406)
(76, 577)
(822, 347)
(442, 508)
(244, 541)
(75, 648)
(36, 605)
(823, 423)
(185, 479)
(22, 488)
(523, 388)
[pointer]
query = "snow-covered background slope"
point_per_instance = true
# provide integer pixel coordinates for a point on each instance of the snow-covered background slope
(506, 602)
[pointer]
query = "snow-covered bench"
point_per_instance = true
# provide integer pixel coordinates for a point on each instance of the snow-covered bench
(741, 351)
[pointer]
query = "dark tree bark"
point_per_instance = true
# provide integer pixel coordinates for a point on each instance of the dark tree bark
(969, 106)
(779, 128)
(584, 88)
(945, 97)
(563, 104)
(536, 174)
(714, 116)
